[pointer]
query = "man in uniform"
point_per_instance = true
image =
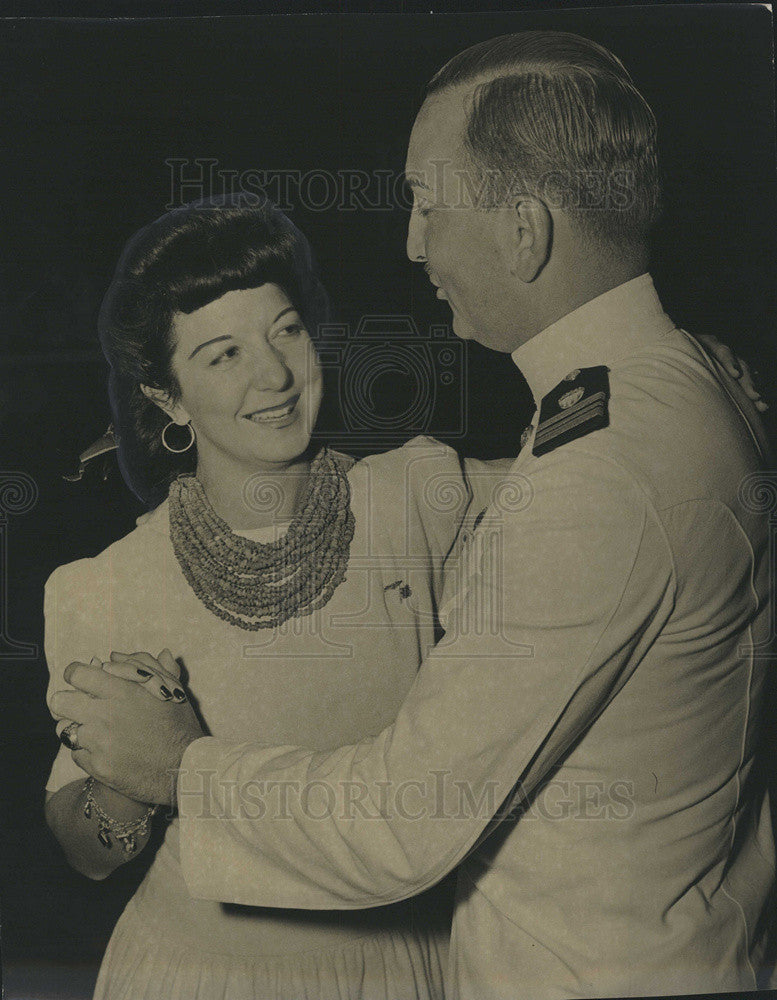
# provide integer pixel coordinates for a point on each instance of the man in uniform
(590, 767)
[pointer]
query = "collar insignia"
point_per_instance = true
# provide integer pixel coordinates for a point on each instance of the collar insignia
(577, 406)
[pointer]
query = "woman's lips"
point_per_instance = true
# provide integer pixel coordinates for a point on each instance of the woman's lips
(274, 414)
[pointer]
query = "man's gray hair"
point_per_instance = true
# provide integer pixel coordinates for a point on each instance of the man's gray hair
(557, 115)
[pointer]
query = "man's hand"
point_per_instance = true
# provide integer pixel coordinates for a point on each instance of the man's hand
(128, 740)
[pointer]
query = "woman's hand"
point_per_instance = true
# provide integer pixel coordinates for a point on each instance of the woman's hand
(125, 739)
(735, 367)
(161, 677)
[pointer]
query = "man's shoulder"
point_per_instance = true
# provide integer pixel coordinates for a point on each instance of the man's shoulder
(684, 402)
(674, 426)
(677, 375)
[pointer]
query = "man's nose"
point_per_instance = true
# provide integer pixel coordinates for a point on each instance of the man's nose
(416, 250)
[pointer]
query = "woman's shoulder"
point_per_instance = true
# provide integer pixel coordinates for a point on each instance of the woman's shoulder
(141, 545)
(428, 479)
(421, 444)
(427, 467)
(417, 488)
(414, 463)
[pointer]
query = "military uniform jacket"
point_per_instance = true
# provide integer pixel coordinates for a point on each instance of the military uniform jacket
(582, 744)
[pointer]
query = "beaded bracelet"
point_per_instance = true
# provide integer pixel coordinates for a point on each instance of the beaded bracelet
(106, 825)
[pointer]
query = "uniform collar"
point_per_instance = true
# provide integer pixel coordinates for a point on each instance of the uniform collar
(613, 325)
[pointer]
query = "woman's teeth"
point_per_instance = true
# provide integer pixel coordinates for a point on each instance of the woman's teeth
(271, 416)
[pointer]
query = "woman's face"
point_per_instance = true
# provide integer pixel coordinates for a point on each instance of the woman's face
(249, 378)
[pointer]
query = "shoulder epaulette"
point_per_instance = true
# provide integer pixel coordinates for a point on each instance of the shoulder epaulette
(577, 406)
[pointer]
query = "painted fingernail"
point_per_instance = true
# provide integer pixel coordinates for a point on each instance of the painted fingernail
(165, 693)
(178, 694)
(143, 673)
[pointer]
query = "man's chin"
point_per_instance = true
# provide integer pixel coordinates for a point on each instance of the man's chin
(462, 329)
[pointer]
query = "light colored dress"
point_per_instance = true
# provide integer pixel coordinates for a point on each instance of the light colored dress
(323, 680)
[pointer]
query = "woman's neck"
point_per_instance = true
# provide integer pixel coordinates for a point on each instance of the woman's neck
(257, 498)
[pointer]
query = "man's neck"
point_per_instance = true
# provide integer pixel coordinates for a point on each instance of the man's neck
(575, 282)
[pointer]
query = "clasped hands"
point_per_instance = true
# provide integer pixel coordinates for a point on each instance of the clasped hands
(134, 722)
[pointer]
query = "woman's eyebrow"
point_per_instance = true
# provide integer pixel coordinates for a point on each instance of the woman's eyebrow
(205, 343)
(288, 309)
(226, 336)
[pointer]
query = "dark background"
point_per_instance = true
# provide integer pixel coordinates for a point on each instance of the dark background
(90, 112)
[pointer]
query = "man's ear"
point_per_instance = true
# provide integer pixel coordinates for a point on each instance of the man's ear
(531, 237)
(162, 399)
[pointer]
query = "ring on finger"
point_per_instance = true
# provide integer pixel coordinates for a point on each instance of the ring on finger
(69, 736)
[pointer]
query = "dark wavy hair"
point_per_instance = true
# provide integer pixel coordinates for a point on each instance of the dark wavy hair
(184, 260)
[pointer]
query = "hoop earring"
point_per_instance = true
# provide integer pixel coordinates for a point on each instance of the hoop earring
(177, 451)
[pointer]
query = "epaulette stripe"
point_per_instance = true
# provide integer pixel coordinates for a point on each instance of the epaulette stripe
(581, 419)
(584, 405)
(575, 407)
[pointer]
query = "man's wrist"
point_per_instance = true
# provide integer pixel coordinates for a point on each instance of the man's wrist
(169, 795)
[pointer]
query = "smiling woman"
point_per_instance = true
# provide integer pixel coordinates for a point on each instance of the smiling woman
(251, 394)
(332, 568)
(210, 306)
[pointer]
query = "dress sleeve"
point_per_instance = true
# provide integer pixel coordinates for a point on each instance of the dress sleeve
(487, 481)
(541, 636)
(417, 499)
(75, 629)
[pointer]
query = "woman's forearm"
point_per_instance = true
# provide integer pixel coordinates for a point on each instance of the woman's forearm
(77, 834)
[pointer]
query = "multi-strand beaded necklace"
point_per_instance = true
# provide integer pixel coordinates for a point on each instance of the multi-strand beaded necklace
(258, 585)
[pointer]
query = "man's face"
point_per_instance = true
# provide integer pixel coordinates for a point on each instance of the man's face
(461, 244)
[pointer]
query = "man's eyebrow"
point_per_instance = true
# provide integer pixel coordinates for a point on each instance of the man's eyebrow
(226, 336)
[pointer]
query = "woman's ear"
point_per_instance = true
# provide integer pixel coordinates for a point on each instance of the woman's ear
(162, 399)
(532, 237)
